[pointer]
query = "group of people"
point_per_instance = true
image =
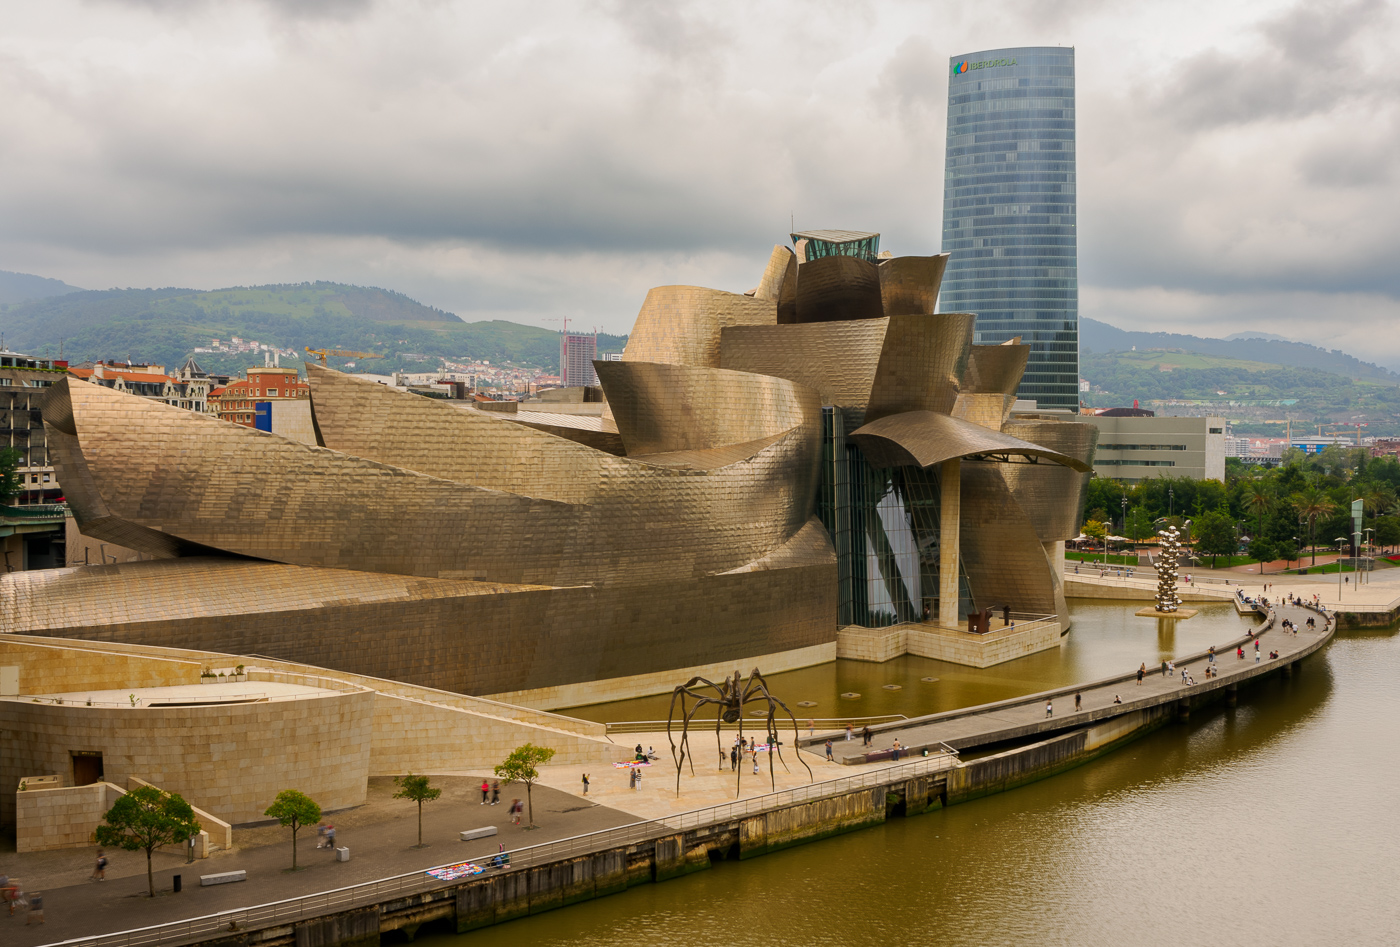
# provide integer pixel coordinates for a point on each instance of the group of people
(34, 903)
(325, 836)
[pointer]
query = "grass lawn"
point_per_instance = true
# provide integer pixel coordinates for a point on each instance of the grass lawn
(1097, 557)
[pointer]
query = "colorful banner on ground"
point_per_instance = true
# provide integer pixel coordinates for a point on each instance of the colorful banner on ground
(453, 872)
(630, 764)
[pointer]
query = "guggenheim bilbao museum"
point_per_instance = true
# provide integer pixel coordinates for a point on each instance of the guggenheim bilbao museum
(822, 466)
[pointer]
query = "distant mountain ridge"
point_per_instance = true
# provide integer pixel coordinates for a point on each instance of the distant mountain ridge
(165, 326)
(20, 287)
(1100, 337)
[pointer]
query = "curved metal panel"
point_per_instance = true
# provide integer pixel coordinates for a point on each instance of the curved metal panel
(835, 288)
(681, 324)
(996, 369)
(836, 359)
(1053, 497)
(922, 359)
(926, 438)
(661, 408)
(909, 284)
(227, 487)
(1004, 561)
(780, 263)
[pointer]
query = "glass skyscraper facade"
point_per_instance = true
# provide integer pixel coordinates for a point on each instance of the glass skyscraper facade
(1009, 209)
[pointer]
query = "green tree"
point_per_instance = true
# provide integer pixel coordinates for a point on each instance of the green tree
(10, 459)
(1311, 504)
(296, 809)
(1388, 530)
(1286, 550)
(1258, 498)
(147, 818)
(1139, 524)
(417, 789)
(1264, 551)
(519, 767)
(1215, 534)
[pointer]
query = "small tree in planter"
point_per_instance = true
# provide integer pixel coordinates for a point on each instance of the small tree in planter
(519, 767)
(417, 789)
(295, 809)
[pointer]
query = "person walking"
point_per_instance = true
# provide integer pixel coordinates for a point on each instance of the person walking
(1142, 672)
(1164, 669)
(631, 777)
(755, 762)
(330, 837)
(1049, 709)
(515, 809)
(866, 735)
(734, 757)
(1212, 654)
(99, 873)
(485, 791)
(585, 784)
(811, 726)
(828, 752)
(850, 733)
(495, 792)
(1078, 702)
(36, 909)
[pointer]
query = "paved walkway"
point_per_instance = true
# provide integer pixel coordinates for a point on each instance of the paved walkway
(1381, 590)
(76, 907)
(1027, 716)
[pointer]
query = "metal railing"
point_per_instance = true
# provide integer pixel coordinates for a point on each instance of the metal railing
(753, 722)
(418, 882)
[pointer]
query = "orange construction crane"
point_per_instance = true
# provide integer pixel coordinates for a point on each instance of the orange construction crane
(338, 353)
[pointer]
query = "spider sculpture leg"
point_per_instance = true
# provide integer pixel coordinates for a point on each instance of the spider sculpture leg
(699, 703)
(756, 678)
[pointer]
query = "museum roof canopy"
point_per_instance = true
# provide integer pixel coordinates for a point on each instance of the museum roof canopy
(926, 438)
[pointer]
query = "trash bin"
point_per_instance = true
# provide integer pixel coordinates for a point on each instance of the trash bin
(342, 854)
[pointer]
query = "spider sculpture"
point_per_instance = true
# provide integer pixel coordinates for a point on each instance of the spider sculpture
(728, 699)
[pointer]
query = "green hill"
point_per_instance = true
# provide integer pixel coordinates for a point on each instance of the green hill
(1248, 392)
(167, 325)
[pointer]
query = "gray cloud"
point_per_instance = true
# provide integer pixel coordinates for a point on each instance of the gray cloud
(556, 158)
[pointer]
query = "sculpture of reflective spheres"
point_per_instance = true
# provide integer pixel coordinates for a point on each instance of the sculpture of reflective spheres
(690, 528)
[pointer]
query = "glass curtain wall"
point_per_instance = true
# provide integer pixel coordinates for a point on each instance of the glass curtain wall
(884, 522)
(1010, 210)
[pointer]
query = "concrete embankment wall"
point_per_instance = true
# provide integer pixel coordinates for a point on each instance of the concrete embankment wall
(1076, 587)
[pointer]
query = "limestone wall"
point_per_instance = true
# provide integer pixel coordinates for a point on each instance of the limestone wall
(63, 817)
(413, 735)
(231, 759)
(60, 668)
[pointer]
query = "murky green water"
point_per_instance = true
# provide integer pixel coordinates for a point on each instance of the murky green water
(1106, 638)
(1274, 823)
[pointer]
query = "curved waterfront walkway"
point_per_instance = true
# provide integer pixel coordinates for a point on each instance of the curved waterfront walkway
(1025, 717)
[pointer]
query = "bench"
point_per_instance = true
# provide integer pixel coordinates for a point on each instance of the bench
(485, 832)
(223, 878)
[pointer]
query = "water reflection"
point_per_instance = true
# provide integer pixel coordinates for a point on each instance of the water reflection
(1270, 823)
(1106, 638)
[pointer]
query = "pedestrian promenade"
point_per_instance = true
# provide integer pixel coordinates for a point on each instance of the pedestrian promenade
(1052, 711)
(76, 907)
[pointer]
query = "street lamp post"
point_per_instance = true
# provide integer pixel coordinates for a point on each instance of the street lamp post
(1297, 550)
(1124, 501)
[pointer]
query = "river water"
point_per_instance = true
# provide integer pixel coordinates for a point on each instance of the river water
(1273, 823)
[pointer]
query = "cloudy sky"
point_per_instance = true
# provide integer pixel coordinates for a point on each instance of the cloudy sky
(536, 161)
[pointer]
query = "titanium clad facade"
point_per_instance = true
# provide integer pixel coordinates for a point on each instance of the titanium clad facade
(731, 520)
(1009, 210)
